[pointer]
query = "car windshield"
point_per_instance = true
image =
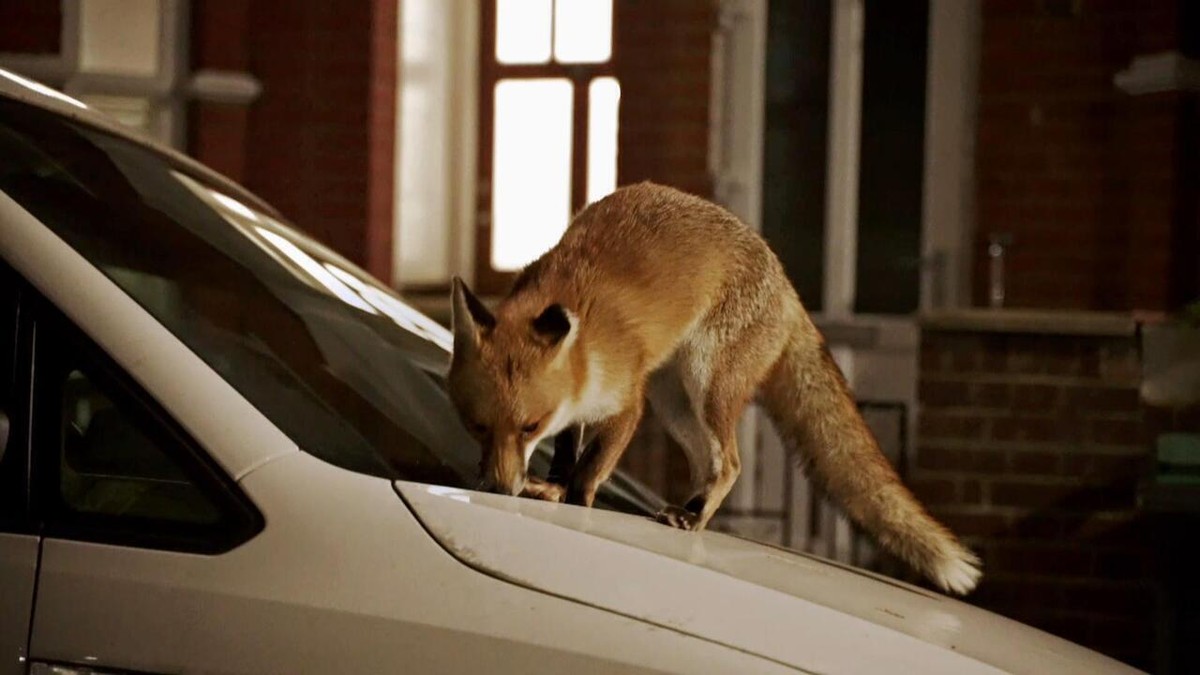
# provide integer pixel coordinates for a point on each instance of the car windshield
(335, 359)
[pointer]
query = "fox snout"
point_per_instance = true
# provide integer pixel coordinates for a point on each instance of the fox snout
(503, 471)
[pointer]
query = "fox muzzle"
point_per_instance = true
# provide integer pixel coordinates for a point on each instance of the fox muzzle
(504, 471)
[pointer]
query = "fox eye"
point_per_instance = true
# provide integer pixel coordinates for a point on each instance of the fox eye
(531, 427)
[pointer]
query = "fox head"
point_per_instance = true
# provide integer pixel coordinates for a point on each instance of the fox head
(510, 380)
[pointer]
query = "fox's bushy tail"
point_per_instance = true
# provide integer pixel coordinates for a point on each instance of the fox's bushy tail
(807, 397)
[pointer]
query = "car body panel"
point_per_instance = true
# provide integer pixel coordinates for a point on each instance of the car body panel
(822, 617)
(237, 435)
(18, 570)
(380, 595)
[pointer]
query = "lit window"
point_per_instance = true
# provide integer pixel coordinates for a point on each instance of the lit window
(553, 127)
(531, 168)
(523, 31)
(604, 96)
(582, 31)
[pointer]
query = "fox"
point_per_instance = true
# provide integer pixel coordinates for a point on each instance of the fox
(654, 296)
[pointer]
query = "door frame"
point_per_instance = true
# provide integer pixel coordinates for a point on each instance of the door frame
(862, 344)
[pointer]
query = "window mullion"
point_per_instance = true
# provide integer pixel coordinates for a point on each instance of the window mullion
(845, 113)
(579, 136)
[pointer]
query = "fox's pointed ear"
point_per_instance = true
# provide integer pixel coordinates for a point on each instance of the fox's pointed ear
(469, 318)
(556, 325)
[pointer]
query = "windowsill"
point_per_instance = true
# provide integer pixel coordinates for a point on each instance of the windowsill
(1037, 321)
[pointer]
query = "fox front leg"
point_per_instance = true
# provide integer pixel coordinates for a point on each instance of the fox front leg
(567, 446)
(612, 437)
(562, 465)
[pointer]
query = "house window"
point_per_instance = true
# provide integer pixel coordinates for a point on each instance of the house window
(547, 126)
(844, 151)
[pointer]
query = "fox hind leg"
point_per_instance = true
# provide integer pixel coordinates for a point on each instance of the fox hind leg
(688, 413)
(717, 377)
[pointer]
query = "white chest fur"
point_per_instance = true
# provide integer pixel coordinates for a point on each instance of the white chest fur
(599, 398)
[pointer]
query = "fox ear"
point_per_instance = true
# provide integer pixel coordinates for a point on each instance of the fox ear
(469, 318)
(555, 325)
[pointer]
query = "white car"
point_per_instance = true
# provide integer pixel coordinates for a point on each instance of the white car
(224, 448)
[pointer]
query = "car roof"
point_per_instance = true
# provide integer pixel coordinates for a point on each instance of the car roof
(20, 88)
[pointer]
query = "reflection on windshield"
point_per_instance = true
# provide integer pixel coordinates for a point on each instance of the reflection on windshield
(342, 367)
(336, 279)
(333, 358)
(42, 89)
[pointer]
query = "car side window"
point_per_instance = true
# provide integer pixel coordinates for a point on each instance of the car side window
(13, 456)
(112, 467)
(109, 465)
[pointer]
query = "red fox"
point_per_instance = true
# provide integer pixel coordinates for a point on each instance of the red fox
(654, 295)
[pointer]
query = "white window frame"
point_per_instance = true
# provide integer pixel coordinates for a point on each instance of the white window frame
(947, 206)
(453, 229)
(164, 88)
(735, 149)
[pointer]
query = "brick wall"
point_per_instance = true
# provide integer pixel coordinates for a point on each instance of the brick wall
(221, 41)
(319, 143)
(1032, 447)
(30, 27)
(1087, 179)
(661, 54)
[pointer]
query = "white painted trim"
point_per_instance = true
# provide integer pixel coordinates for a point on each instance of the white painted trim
(465, 111)
(166, 87)
(951, 106)
(736, 107)
(456, 156)
(845, 113)
(466, 115)
(175, 42)
(224, 86)
(736, 132)
(1161, 72)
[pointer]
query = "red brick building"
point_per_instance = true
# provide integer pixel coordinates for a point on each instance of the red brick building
(1062, 132)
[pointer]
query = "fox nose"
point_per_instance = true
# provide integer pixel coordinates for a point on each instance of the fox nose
(502, 479)
(508, 486)
(516, 484)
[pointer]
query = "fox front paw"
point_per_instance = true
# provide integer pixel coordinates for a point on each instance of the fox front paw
(544, 490)
(678, 517)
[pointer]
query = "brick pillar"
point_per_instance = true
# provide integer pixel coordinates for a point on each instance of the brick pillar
(30, 28)
(319, 143)
(661, 55)
(217, 132)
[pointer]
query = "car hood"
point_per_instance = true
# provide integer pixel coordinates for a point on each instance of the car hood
(795, 609)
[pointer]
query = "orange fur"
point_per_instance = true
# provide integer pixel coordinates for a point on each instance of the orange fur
(653, 295)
